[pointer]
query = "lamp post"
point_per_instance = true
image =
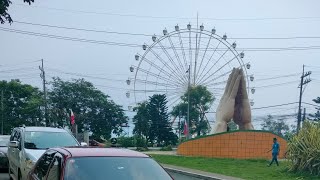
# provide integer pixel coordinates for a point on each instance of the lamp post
(188, 118)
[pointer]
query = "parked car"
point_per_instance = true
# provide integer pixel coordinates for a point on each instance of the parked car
(86, 163)
(93, 142)
(4, 140)
(27, 144)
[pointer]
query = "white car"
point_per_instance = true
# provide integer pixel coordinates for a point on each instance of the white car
(27, 144)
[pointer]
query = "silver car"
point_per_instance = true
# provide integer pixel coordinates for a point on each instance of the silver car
(27, 144)
(4, 140)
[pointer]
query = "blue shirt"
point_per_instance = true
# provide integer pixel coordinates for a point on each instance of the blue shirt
(275, 147)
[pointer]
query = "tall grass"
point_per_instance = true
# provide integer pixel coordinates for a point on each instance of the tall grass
(304, 150)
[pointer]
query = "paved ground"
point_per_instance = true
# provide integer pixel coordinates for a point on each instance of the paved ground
(4, 176)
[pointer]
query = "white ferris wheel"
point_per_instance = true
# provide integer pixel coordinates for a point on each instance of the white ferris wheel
(163, 65)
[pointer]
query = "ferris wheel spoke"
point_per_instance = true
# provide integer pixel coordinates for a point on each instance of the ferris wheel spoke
(162, 69)
(190, 52)
(170, 58)
(205, 67)
(173, 100)
(196, 57)
(214, 84)
(204, 55)
(224, 74)
(177, 56)
(159, 77)
(201, 78)
(204, 81)
(153, 83)
(183, 53)
(166, 64)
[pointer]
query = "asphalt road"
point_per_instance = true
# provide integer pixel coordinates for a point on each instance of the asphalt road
(4, 176)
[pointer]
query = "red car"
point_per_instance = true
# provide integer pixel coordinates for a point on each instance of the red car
(81, 163)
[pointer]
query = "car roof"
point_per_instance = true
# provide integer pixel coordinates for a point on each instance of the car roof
(100, 152)
(42, 129)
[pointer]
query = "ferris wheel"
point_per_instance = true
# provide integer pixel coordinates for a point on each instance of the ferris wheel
(185, 56)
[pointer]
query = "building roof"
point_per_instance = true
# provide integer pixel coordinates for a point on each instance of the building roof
(100, 152)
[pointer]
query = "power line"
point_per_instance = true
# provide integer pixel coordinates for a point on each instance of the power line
(275, 85)
(277, 77)
(150, 35)
(171, 17)
(137, 45)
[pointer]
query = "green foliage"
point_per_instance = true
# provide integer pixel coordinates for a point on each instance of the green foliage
(200, 102)
(141, 149)
(160, 129)
(316, 116)
(166, 148)
(278, 126)
(22, 105)
(152, 121)
(140, 141)
(4, 15)
(93, 109)
(233, 126)
(304, 149)
(126, 141)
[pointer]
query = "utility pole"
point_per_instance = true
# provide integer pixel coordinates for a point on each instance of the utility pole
(2, 112)
(43, 77)
(303, 82)
(304, 116)
(188, 120)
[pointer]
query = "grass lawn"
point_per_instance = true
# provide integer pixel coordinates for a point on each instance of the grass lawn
(246, 169)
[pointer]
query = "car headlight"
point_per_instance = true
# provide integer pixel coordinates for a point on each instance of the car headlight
(29, 163)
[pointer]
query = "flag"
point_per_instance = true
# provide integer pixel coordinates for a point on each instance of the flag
(72, 121)
(185, 128)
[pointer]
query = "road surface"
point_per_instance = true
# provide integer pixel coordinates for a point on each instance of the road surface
(4, 176)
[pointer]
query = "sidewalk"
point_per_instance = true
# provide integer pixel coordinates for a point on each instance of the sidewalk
(197, 173)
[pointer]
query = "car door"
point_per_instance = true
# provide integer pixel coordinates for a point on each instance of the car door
(42, 166)
(11, 151)
(56, 168)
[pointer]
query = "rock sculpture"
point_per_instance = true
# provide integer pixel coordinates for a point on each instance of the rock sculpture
(234, 104)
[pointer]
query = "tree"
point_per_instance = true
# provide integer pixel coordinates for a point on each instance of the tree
(160, 129)
(316, 116)
(4, 15)
(141, 121)
(232, 126)
(93, 109)
(200, 101)
(22, 105)
(278, 127)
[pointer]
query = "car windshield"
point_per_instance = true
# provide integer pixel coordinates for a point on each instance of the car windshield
(4, 141)
(124, 168)
(45, 140)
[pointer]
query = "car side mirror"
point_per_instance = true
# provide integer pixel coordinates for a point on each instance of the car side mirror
(83, 144)
(13, 144)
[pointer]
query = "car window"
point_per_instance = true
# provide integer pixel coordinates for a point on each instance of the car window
(124, 168)
(45, 140)
(43, 164)
(4, 141)
(12, 135)
(54, 171)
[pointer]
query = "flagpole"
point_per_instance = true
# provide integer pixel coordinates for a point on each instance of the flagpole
(188, 120)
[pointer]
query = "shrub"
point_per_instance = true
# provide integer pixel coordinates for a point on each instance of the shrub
(142, 149)
(304, 150)
(126, 141)
(166, 148)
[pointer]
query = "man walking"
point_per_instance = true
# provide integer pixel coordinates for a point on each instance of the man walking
(275, 152)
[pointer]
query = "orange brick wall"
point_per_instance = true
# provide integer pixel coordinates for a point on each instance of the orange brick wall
(236, 144)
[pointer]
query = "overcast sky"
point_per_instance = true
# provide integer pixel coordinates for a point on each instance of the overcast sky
(264, 20)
